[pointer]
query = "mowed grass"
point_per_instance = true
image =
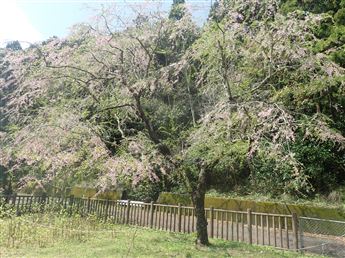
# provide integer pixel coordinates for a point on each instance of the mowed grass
(108, 240)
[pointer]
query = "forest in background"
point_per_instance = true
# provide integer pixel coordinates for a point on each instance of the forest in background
(251, 102)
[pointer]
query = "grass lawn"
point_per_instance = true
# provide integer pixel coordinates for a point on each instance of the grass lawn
(42, 240)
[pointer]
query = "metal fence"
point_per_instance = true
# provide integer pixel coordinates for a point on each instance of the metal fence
(326, 237)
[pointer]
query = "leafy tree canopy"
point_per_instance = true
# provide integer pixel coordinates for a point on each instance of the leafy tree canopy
(252, 102)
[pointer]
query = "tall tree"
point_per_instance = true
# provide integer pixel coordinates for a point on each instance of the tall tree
(14, 45)
(247, 61)
(177, 10)
(246, 104)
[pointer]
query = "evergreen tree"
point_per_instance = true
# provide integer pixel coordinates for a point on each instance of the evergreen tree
(14, 45)
(177, 10)
(331, 31)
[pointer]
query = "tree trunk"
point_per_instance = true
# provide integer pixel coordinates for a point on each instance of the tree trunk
(198, 197)
(8, 191)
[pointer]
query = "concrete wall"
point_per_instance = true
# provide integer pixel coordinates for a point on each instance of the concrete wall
(267, 207)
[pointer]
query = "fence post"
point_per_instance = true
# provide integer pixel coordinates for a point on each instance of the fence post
(152, 214)
(106, 210)
(127, 211)
(30, 204)
(88, 205)
(18, 208)
(43, 202)
(179, 214)
(14, 197)
(295, 230)
(249, 225)
(71, 203)
(211, 219)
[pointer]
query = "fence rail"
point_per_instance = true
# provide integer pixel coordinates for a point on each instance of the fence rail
(251, 227)
(321, 236)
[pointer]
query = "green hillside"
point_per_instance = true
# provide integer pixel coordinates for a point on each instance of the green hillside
(252, 102)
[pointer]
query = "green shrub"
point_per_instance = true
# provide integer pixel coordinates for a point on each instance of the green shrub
(339, 17)
(339, 57)
(145, 191)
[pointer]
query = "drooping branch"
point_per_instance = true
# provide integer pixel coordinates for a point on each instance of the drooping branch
(224, 63)
(115, 107)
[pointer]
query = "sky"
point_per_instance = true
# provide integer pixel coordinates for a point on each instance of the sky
(36, 20)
